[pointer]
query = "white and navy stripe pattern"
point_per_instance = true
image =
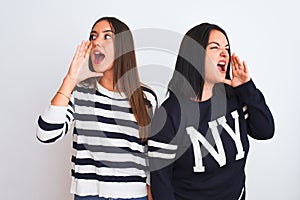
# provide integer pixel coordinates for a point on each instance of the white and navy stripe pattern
(245, 111)
(161, 150)
(109, 159)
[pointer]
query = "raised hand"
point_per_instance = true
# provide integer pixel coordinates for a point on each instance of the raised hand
(79, 69)
(78, 72)
(240, 73)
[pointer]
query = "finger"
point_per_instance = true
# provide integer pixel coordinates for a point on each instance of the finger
(86, 45)
(233, 64)
(81, 49)
(98, 74)
(88, 50)
(76, 53)
(245, 67)
(94, 74)
(239, 63)
(233, 61)
(247, 71)
(234, 70)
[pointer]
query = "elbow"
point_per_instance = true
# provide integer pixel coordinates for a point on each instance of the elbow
(270, 130)
(44, 139)
(262, 136)
(45, 133)
(40, 139)
(263, 133)
(268, 135)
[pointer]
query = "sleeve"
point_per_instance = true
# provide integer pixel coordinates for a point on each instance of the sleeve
(259, 118)
(55, 122)
(162, 152)
(150, 97)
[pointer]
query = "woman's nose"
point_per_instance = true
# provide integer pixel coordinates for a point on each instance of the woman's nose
(224, 53)
(97, 43)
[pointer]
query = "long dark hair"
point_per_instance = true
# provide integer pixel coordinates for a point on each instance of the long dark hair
(188, 78)
(126, 78)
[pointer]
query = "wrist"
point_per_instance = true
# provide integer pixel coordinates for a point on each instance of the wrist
(70, 79)
(65, 95)
(67, 86)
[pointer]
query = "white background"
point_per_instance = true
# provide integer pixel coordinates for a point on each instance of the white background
(38, 39)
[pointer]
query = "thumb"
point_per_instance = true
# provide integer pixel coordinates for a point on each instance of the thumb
(227, 81)
(96, 74)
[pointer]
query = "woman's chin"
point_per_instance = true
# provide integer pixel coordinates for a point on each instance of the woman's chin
(102, 67)
(99, 68)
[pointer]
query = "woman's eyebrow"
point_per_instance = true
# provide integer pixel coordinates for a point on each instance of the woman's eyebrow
(213, 43)
(107, 31)
(227, 45)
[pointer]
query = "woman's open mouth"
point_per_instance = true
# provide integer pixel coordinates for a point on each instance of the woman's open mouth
(98, 56)
(222, 67)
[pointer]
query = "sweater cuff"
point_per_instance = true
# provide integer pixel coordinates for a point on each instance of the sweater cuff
(245, 90)
(148, 178)
(55, 114)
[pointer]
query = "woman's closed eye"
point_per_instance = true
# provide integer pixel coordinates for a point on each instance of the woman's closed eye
(217, 47)
(213, 47)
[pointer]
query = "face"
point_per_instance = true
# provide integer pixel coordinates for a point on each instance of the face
(102, 39)
(216, 58)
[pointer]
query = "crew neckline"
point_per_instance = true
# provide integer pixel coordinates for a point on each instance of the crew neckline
(202, 102)
(111, 94)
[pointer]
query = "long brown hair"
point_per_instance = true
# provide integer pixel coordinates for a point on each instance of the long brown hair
(126, 78)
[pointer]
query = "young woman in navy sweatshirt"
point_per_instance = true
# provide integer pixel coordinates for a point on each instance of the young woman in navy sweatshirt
(199, 141)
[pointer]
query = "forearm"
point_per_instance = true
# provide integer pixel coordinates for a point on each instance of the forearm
(149, 193)
(260, 120)
(62, 97)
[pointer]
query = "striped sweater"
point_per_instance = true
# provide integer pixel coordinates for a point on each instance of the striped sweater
(109, 159)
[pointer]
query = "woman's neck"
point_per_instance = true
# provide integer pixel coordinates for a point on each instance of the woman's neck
(207, 91)
(107, 80)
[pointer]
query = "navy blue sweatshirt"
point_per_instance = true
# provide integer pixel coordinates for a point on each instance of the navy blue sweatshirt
(198, 150)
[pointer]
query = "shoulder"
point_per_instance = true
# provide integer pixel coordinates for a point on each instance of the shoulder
(86, 86)
(171, 105)
(150, 94)
(168, 117)
(148, 91)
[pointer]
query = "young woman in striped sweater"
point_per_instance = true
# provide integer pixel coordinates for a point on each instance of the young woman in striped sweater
(102, 100)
